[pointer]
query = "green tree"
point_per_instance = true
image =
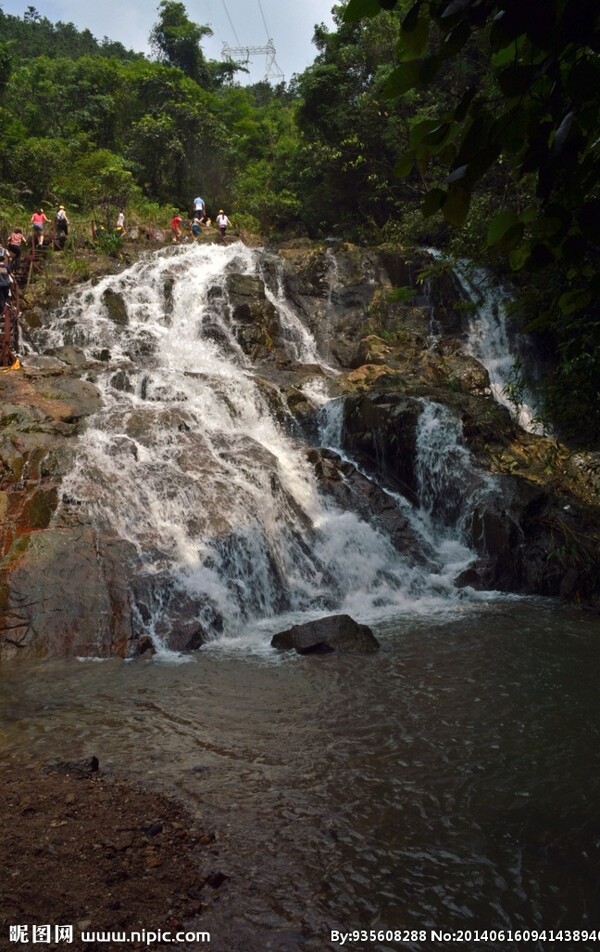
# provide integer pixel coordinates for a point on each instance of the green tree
(6, 64)
(534, 110)
(348, 146)
(175, 40)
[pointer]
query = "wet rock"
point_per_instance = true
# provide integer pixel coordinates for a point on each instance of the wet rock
(353, 491)
(371, 350)
(171, 613)
(116, 306)
(80, 397)
(380, 430)
(64, 592)
(339, 633)
(216, 879)
(76, 768)
(255, 319)
(168, 286)
(528, 543)
(153, 828)
(122, 381)
(39, 365)
(74, 357)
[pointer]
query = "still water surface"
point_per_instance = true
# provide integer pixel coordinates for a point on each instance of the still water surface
(450, 782)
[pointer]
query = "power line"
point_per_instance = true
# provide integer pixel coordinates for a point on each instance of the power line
(264, 21)
(237, 39)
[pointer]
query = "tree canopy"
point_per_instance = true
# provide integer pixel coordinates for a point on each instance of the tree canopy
(530, 106)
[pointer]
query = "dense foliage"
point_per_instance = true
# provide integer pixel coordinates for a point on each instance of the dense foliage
(470, 124)
(530, 106)
(97, 127)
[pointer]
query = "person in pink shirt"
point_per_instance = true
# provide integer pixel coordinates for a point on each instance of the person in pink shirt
(15, 240)
(38, 220)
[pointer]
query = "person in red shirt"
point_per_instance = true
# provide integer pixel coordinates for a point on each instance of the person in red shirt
(175, 227)
(38, 220)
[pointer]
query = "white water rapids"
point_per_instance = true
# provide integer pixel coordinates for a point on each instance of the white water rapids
(189, 463)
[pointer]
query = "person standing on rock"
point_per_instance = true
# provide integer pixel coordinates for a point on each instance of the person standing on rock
(222, 223)
(196, 224)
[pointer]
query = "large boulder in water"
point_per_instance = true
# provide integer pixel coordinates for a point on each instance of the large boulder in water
(333, 633)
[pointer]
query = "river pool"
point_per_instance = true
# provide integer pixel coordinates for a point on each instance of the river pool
(451, 782)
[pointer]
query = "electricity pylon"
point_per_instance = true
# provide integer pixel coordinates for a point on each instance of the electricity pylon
(242, 54)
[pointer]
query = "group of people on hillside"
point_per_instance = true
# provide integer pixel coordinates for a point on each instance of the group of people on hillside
(10, 256)
(9, 259)
(199, 219)
(39, 220)
(61, 227)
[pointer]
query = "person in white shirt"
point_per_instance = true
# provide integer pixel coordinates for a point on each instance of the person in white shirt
(222, 223)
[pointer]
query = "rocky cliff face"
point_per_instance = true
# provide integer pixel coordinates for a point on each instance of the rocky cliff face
(70, 586)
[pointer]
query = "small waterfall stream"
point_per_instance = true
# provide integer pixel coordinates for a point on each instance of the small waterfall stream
(188, 462)
(491, 343)
(302, 346)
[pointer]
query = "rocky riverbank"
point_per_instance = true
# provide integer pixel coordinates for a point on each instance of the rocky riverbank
(68, 586)
(90, 853)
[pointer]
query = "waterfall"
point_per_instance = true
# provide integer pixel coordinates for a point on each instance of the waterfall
(491, 343)
(490, 340)
(449, 484)
(188, 462)
(301, 344)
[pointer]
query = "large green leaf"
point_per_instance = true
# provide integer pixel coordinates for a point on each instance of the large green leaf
(500, 224)
(516, 79)
(433, 202)
(404, 165)
(410, 74)
(573, 301)
(414, 32)
(357, 9)
(519, 255)
(419, 130)
(589, 217)
(456, 206)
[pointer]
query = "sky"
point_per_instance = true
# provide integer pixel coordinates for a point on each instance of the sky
(239, 23)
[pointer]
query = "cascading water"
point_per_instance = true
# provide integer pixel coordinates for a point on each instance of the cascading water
(490, 342)
(300, 343)
(187, 461)
(448, 486)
